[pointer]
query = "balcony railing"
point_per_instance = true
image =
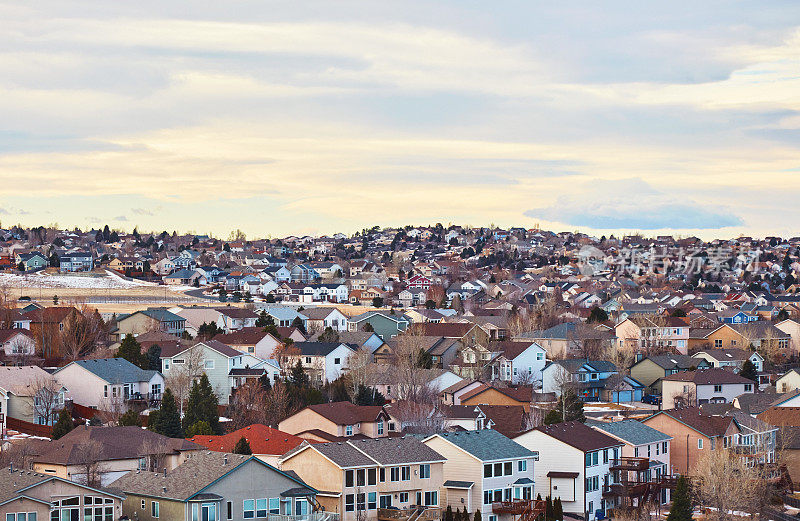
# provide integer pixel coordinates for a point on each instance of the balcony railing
(312, 516)
(410, 514)
(630, 464)
(148, 397)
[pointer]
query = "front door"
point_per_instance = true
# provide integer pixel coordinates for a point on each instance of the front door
(208, 512)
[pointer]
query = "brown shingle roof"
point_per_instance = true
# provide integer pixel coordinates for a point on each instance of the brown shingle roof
(245, 336)
(580, 436)
(346, 413)
(708, 377)
(708, 425)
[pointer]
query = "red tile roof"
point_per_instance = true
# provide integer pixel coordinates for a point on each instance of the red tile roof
(262, 440)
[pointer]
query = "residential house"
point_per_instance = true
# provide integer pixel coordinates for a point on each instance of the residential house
(221, 364)
(30, 496)
(692, 388)
(251, 340)
(588, 377)
(31, 261)
(419, 282)
(790, 381)
(70, 262)
(336, 420)
(119, 451)
(644, 457)
(520, 362)
(452, 395)
(234, 319)
(144, 321)
(570, 338)
(486, 394)
(574, 465)
(17, 345)
(642, 333)
(318, 319)
(730, 358)
(47, 325)
(110, 383)
(693, 434)
(652, 369)
(323, 361)
(304, 273)
(792, 328)
(484, 470)
(31, 394)
(385, 325)
(266, 443)
(372, 478)
(787, 422)
(216, 485)
(740, 336)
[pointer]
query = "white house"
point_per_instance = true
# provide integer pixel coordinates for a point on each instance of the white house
(324, 361)
(109, 383)
(694, 388)
(17, 343)
(233, 319)
(519, 362)
(324, 317)
(574, 465)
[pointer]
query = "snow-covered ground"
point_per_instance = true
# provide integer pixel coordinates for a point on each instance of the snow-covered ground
(87, 281)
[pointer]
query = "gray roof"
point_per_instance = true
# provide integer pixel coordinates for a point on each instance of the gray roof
(13, 481)
(632, 431)
(189, 478)
(114, 370)
(384, 451)
(486, 444)
(451, 483)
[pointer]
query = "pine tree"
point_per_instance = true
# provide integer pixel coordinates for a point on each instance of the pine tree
(465, 514)
(154, 358)
(202, 405)
(548, 512)
(200, 428)
(131, 350)
(63, 425)
(681, 502)
(242, 447)
(167, 420)
(477, 516)
(130, 418)
(448, 514)
(748, 371)
(558, 510)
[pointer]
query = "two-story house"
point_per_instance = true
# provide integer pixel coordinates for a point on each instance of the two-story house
(574, 465)
(363, 477)
(75, 261)
(730, 358)
(31, 394)
(587, 377)
(485, 471)
(520, 361)
(692, 388)
(218, 361)
(337, 420)
(211, 486)
(323, 361)
(653, 369)
(146, 320)
(385, 325)
(325, 317)
(233, 319)
(643, 333)
(110, 383)
(644, 457)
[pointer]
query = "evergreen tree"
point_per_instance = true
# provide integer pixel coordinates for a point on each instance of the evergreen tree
(558, 510)
(548, 512)
(568, 408)
(448, 514)
(167, 419)
(131, 350)
(338, 391)
(465, 514)
(597, 314)
(130, 418)
(681, 502)
(298, 376)
(369, 396)
(201, 428)
(477, 516)
(63, 425)
(298, 323)
(202, 405)
(749, 371)
(242, 447)
(154, 358)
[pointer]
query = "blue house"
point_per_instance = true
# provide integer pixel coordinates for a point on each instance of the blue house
(739, 317)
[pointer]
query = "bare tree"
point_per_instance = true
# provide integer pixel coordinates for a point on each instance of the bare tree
(277, 406)
(47, 399)
(19, 453)
(412, 379)
(361, 368)
(89, 456)
(248, 405)
(185, 368)
(81, 332)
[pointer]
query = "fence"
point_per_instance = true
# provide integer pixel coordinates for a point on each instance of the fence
(34, 429)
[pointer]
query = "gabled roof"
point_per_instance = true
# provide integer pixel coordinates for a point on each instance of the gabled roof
(713, 376)
(672, 361)
(346, 413)
(24, 380)
(320, 348)
(113, 370)
(17, 483)
(579, 436)
(513, 348)
(486, 444)
(508, 420)
(520, 394)
(709, 426)
(244, 336)
(51, 315)
(374, 451)
(190, 478)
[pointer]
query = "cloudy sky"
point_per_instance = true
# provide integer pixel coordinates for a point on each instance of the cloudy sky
(314, 117)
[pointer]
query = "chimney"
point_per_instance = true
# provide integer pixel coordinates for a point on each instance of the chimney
(165, 472)
(225, 460)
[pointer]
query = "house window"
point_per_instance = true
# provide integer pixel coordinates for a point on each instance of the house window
(361, 477)
(718, 388)
(348, 478)
(166, 364)
(522, 465)
(380, 428)
(308, 359)
(382, 475)
(105, 392)
(274, 505)
(348, 431)
(718, 342)
(372, 477)
(143, 504)
(664, 447)
(349, 502)
(432, 498)
(404, 497)
(229, 510)
(208, 364)
(605, 455)
(361, 501)
(425, 471)
(261, 507)
(405, 474)
(508, 468)
(539, 356)
(154, 508)
(337, 361)
(394, 474)
(700, 443)
(748, 388)
(372, 501)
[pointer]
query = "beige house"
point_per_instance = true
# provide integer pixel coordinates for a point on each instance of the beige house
(32, 394)
(484, 470)
(29, 496)
(119, 450)
(360, 478)
(332, 421)
(788, 382)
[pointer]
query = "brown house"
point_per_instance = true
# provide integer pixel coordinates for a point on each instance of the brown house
(48, 326)
(693, 434)
(337, 420)
(487, 394)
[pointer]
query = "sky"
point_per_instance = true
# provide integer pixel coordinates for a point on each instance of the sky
(310, 117)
